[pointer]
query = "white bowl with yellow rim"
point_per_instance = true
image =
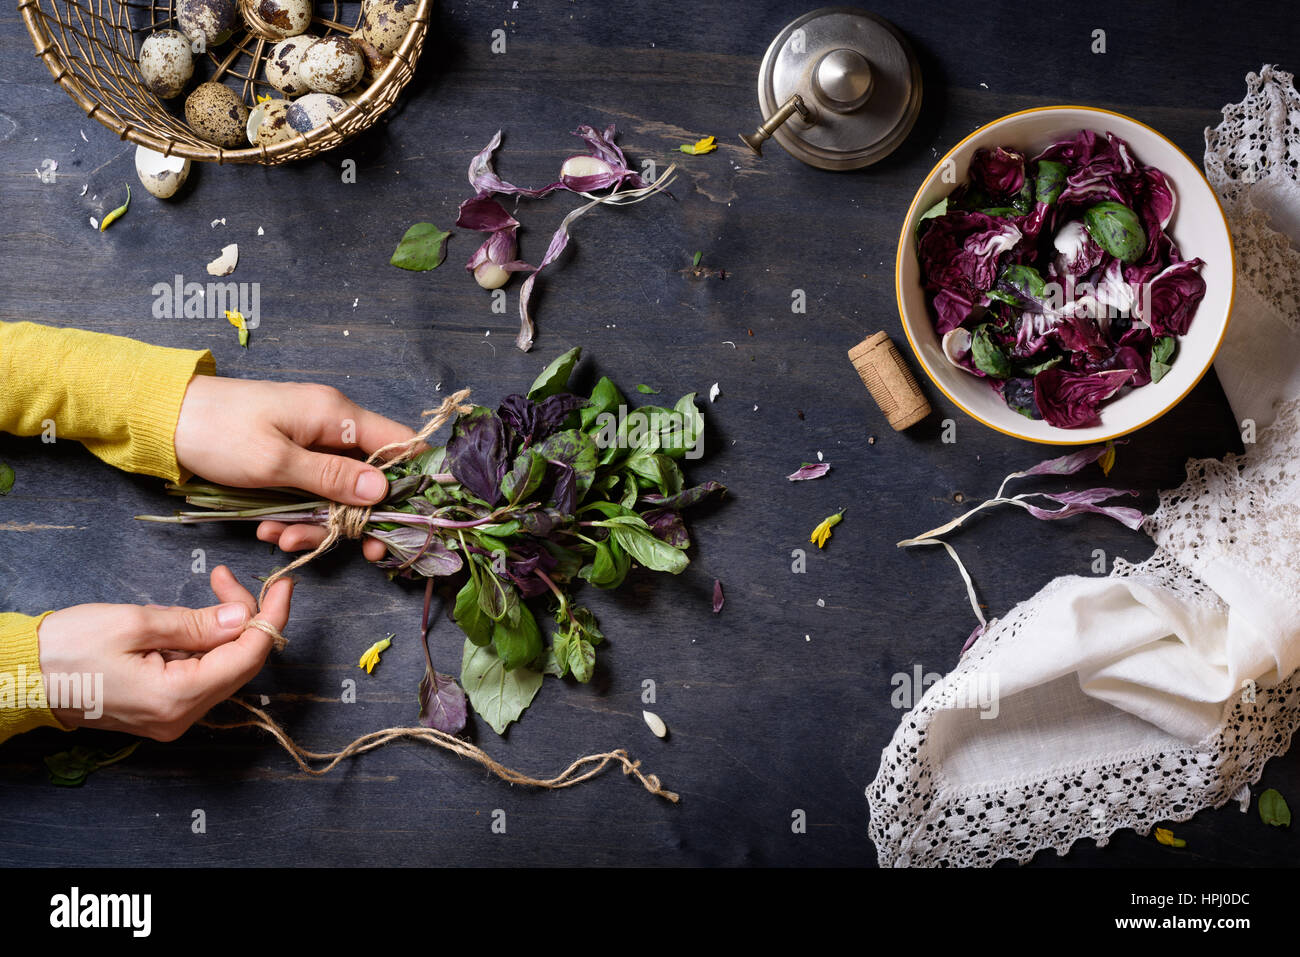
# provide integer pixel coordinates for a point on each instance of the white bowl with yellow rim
(1199, 229)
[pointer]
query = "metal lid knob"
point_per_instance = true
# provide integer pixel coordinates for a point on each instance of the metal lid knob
(842, 80)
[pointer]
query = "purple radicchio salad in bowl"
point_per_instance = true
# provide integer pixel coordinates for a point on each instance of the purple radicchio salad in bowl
(1065, 275)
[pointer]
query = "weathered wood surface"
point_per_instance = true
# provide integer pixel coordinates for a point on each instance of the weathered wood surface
(778, 703)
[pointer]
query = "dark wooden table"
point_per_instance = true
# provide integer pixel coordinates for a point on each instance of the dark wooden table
(783, 701)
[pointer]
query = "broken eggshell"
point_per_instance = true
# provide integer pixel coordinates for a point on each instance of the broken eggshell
(212, 21)
(385, 23)
(268, 123)
(217, 114)
(161, 175)
(166, 63)
(282, 65)
(332, 65)
(313, 110)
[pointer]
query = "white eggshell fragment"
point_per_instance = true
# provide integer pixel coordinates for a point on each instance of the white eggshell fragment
(161, 175)
(313, 110)
(166, 63)
(384, 23)
(278, 19)
(225, 264)
(212, 21)
(655, 723)
(282, 65)
(332, 65)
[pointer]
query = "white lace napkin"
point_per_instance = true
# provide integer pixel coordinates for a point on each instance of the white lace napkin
(1147, 695)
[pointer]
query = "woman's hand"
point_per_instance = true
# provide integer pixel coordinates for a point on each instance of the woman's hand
(251, 434)
(162, 668)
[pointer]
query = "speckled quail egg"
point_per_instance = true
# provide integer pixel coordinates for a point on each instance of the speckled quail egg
(268, 123)
(278, 19)
(332, 65)
(376, 62)
(217, 114)
(166, 63)
(161, 175)
(282, 65)
(213, 21)
(313, 110)
(385, 23)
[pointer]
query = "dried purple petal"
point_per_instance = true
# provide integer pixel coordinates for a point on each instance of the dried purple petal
(808, 471)
(718, 598)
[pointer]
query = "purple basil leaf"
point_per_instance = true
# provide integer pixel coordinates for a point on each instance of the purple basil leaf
(520, 413)
(553, 411)
(668, 526)
(565, 495)
(477, 454)
(540, 521)
(684, 498)
(812, 470)
(442, 703)
(435, 558)
(718, 598)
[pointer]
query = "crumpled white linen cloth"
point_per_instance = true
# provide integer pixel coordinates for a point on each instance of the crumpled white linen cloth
(1144, 696)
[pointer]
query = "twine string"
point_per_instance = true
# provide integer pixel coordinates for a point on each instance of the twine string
(582, 769)
(349, 521)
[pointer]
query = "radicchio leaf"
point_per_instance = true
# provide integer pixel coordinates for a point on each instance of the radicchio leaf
(442, 703)
(1070, 400)
(477, 454)
(808, 471)
(1000, 171)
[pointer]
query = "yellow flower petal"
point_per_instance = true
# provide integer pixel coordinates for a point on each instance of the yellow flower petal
(1107, 460)
(700, 147)
(236, 319)
(370, 657)
(822, 532)
(1166, 837)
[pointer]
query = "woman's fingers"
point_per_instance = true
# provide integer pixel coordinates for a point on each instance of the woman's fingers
(300, 538)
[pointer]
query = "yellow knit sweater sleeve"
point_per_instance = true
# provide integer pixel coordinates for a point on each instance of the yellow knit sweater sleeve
(118, 397)
(22, 694)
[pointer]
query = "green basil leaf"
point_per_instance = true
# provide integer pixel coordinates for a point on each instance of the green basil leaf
(500, 696)
(524, 478)
(646, 390)
(1049, 182)
(1001, 212)
(587, 622)
(581, 658)
(988, 355)
(470, 615)
(649, 551)
(576, 449)
(69, 769)
(555, 377)
(422, 248)
(609, 565)
(1116, 229)
(1029, 371)
(938, 209)
(605, 398)
(556, 662)
(6, 478)
(1024, 282)
(498, 600)
(1273, 809)
(517, 643)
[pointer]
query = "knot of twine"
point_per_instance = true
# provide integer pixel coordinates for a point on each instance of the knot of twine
(582, 769)
(349, 521)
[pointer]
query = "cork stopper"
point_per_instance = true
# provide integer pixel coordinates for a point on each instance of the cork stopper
(889, 381)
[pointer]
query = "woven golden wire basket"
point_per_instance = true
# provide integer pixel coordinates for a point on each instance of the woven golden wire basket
(90, 48)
